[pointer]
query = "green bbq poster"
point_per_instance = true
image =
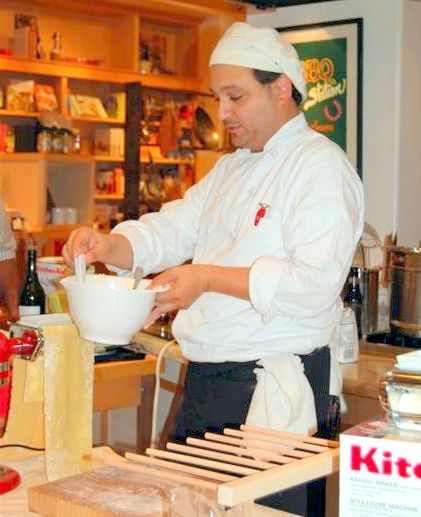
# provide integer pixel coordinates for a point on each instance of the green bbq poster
(325, 71)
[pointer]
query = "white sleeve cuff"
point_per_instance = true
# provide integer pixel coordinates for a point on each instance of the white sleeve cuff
(7, 254)
(263, 284)
(130, 232)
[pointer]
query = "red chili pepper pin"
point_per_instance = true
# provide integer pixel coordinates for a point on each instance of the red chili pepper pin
(260, 214)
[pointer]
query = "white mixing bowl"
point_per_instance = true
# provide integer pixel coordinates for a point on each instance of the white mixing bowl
(106, 309)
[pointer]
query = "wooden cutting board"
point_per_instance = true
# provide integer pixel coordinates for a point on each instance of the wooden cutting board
(233, 468)
(104, 492)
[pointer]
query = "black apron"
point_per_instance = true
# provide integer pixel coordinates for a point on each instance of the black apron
(218, 395)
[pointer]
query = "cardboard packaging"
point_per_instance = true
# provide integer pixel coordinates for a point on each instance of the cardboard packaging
(25, 42)
(380, 471)
(109, 141)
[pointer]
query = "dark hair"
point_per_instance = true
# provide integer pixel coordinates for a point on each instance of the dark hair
(265, 77)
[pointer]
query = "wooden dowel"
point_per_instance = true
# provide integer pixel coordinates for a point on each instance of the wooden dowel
(308, 439)
(230, 458)
(215, 476)
(242, 451)
(258, 444)
(148, 471)
(201, 462)
(275, 439)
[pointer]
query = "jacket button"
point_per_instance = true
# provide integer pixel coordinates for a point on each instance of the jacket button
(206, 313)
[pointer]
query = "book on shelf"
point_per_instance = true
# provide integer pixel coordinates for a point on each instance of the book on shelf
(86, 106)
(115, 105)
(109, 141)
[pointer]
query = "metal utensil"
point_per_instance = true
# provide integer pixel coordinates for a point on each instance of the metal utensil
(138, 275)
(204, 129)
(80, 268)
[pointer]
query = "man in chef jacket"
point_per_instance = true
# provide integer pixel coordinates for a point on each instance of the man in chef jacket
(9, 278)
(271, 232)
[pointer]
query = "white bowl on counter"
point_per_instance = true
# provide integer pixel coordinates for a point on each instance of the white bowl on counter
(106, 309)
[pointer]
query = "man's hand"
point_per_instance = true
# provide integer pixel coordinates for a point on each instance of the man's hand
(186, 283)
(9, 286)
(112, 249)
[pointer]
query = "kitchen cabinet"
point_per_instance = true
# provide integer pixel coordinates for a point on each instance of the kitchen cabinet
(26, 179)
(180, 36)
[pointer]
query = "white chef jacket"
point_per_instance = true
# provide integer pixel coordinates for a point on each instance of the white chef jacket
(7, 239)
(299, 253)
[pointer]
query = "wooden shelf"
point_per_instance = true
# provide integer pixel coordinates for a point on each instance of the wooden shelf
(96, 73)
(104, 158)
(110, 30)
(163, 161)
(98, 120)
(77, 158)
(109, 197)
(63, 69)
(16, 113)
(31, 157)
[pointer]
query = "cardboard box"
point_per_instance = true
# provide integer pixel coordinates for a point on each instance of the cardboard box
(380, 471)
(109, 141)
(25, 42)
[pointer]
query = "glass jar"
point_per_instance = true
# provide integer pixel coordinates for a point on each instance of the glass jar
(57, 140)
(44, 140)
(76, 135)
(400, 396)
(68, 142)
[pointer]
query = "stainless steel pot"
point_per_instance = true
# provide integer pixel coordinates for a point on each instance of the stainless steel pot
(405, 290)
(370, 293)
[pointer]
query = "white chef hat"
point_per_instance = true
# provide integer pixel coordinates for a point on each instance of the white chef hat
(261, 48)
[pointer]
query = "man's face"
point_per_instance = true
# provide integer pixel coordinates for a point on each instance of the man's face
(249, 110)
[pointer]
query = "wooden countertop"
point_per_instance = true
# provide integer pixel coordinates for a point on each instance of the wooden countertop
(115, 370)
(32, 470)
(362, 378)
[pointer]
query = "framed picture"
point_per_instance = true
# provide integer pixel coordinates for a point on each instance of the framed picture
(331, 54)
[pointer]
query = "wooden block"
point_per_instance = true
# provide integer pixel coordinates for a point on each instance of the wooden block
(104, 492)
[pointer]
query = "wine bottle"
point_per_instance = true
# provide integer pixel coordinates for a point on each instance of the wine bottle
(353, 297)
(32, 297)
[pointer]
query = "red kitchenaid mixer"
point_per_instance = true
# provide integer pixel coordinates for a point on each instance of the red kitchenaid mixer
(10, 347)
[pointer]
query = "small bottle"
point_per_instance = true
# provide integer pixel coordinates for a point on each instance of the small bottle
(56, 50)
(353, 297)
(32, 296)
(10, 139)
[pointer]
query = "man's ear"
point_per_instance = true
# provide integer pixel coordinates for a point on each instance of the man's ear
(283, 87)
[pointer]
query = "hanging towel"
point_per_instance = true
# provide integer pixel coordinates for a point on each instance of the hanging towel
(283, 398)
